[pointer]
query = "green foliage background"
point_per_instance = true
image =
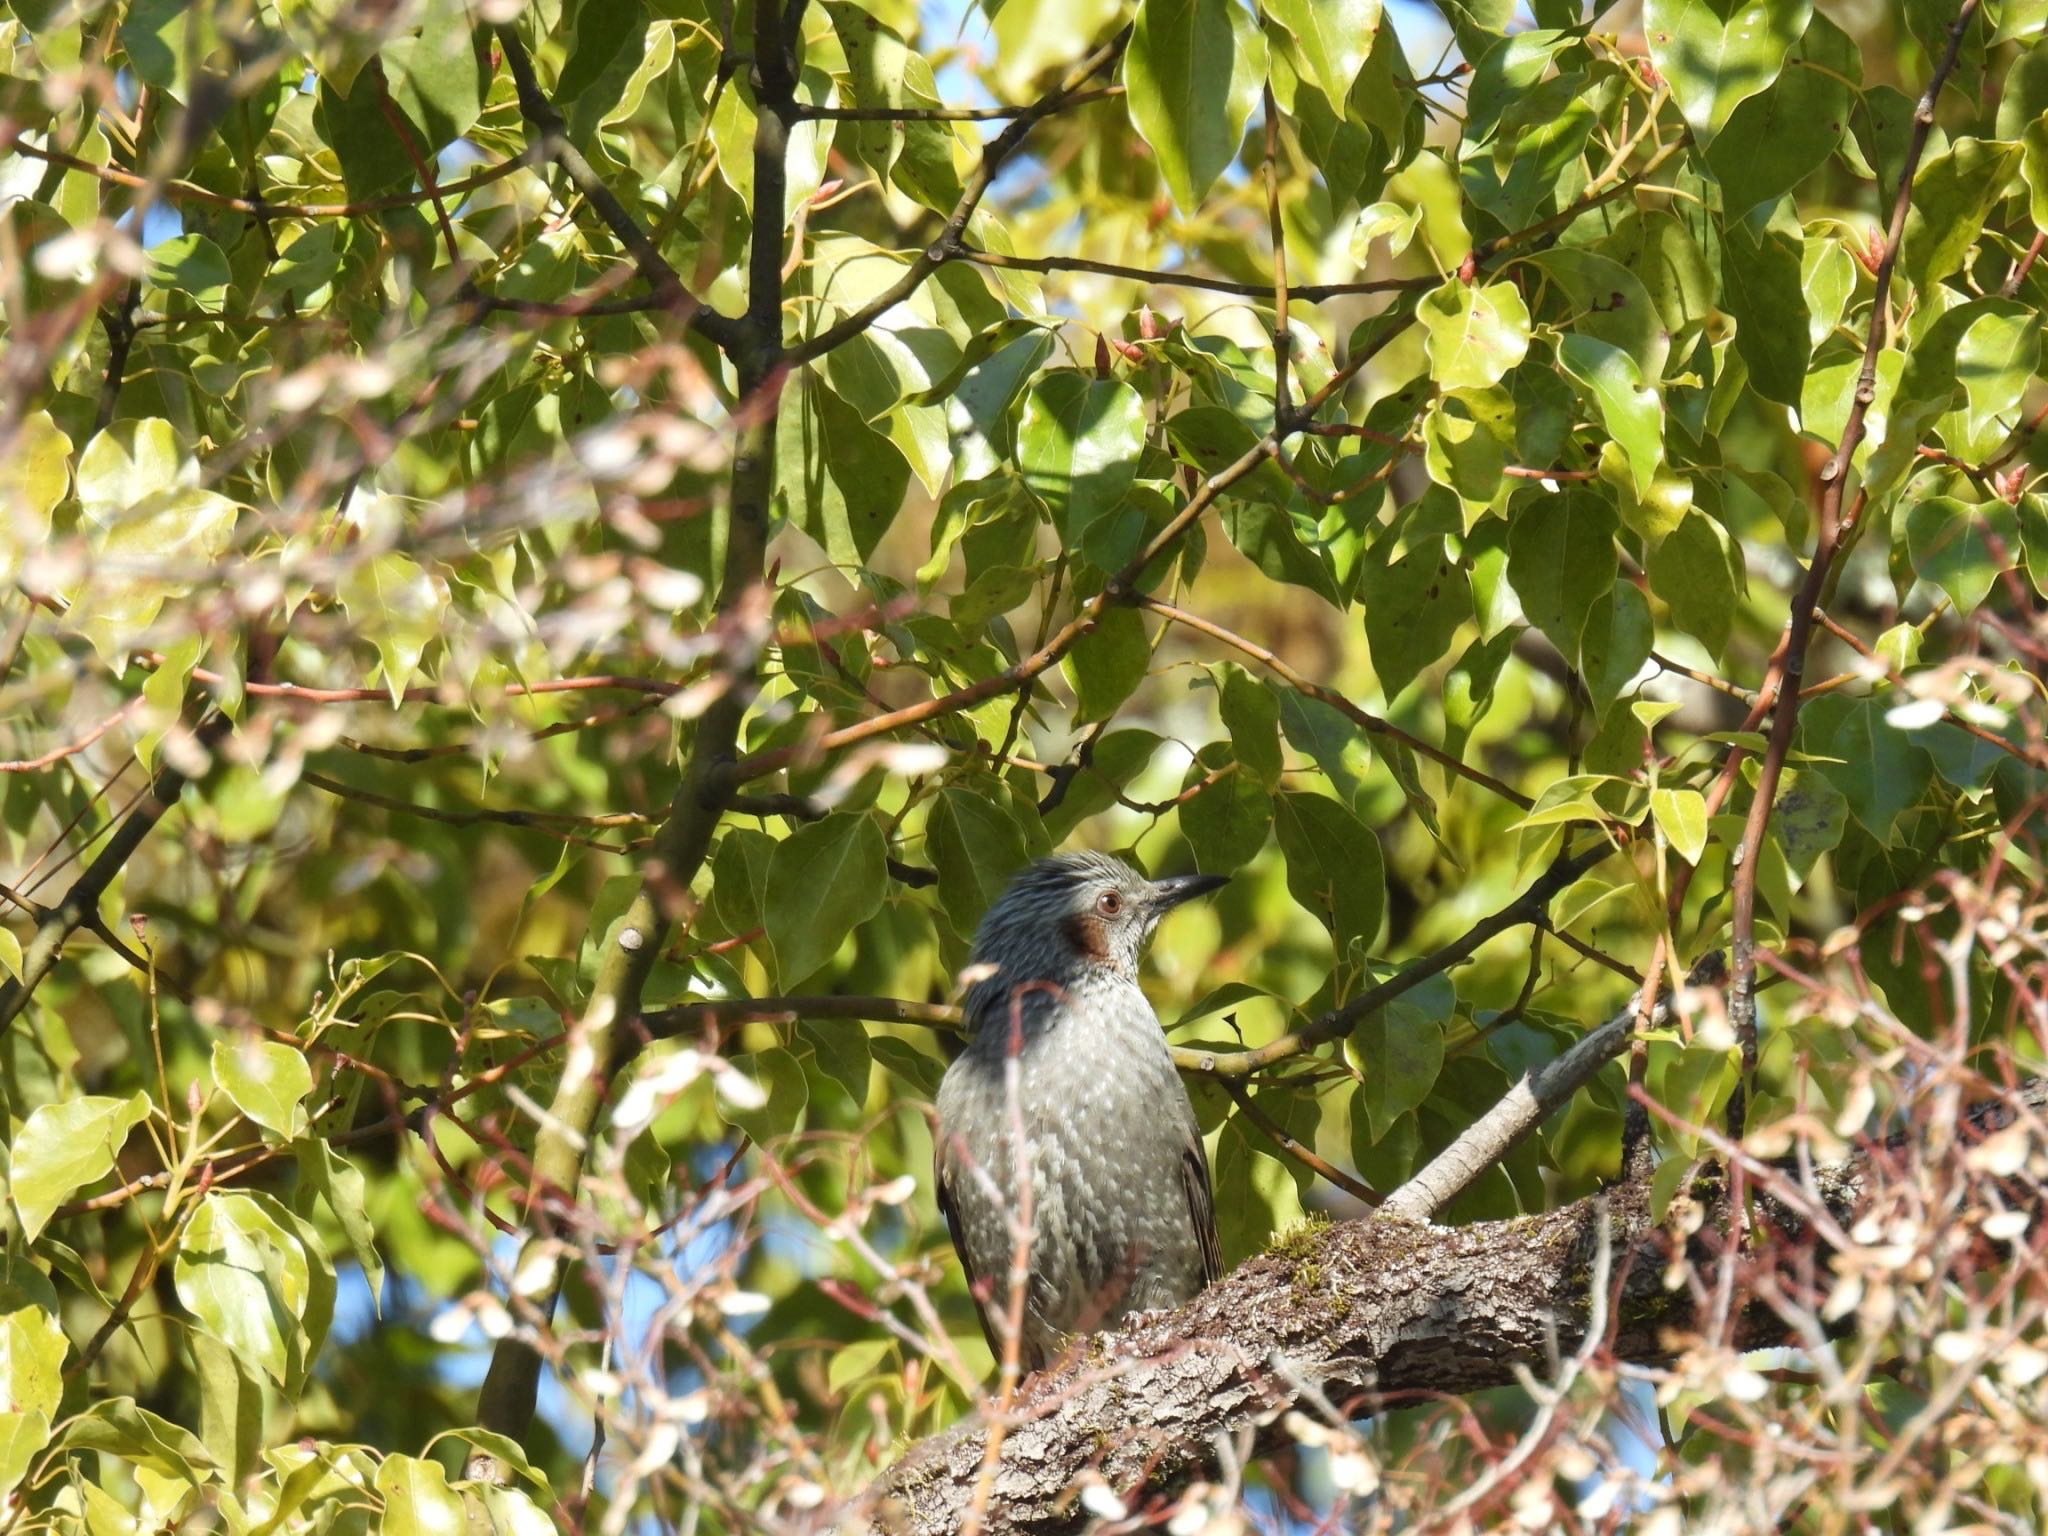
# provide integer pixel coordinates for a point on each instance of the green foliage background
(387, 510)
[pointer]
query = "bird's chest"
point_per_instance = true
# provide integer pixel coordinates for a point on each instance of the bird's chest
(1102, 1123)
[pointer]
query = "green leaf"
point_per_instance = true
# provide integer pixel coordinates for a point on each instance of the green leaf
(1107, 664)
(857, 1361)
(1716, 54)
(1694, 1083)
(1615, 643)
(885, 72)
(1775, 139)
(436, 79)
(1226, 823)
(1118, 758)
(399, 608)
(230, 1404)
(504, 1447)
(1192, 72)
(1334, 867)
(1584, 797)
(1995, 360)
(1761, 288)
(976, 847)
(1561, 560)
(1961, 546)
(810, 141)
(1399, 1049)
(1468, 686)
(824, 880)
(1265, 534)
(2034, 165)
(1383, 221)
(116, 1427)
(2033, 516)
(191, 265)
(145, 518)
(1467, 438)
(1252, 716)
(1035, 38)
(1630, 409)
(32, 1350)
(61, 1148)
(596, 33)
(22, 1434)
(512, 1511)
(1255, 1194)
(919, 1070)
(1413, 609)
(417, 1498)
(1211, 439)
(1473, 335)
(267, 1081)
(244, 1275)
(1078, 445)
(1879, 768)
(1808, 819)
(764, 1095)
(1953, 195)
(836, 477)
(1827, 276)
(330, 1175)
(1695, 571)
(1682, 818)
(1535, 155)
(1333, 38)
(840, 1048)
(1610, 304)
(34, 474)
(331, 31)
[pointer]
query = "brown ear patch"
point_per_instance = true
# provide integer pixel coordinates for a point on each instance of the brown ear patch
(1085, 933)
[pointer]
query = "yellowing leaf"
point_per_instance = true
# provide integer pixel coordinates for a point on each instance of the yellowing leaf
(34, 471)
(1682, 818)
(64, 1147)
(417, 1498)
(267, 1081)
(1475, 335)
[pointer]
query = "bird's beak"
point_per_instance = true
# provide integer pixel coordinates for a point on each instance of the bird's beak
(1175, 889)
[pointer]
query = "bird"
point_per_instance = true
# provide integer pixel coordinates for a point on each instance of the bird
(1066, 1062)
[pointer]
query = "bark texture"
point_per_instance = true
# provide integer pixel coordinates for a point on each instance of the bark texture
(1371, 1313)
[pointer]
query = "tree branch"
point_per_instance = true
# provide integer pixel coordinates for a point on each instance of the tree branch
(1828, 539)
(1364, 719)
(1339, 1022)
(1527, 1105)
(598, 1040)
(552, 140)
(943, 249)
(81, 903)
(1367, 1315)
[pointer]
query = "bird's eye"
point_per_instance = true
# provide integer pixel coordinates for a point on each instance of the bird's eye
(1109, 903)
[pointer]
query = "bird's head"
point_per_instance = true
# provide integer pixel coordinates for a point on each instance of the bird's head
(1074, 915)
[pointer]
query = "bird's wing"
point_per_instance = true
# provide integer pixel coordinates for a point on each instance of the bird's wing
(942, 1183)
(1194, 1180)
